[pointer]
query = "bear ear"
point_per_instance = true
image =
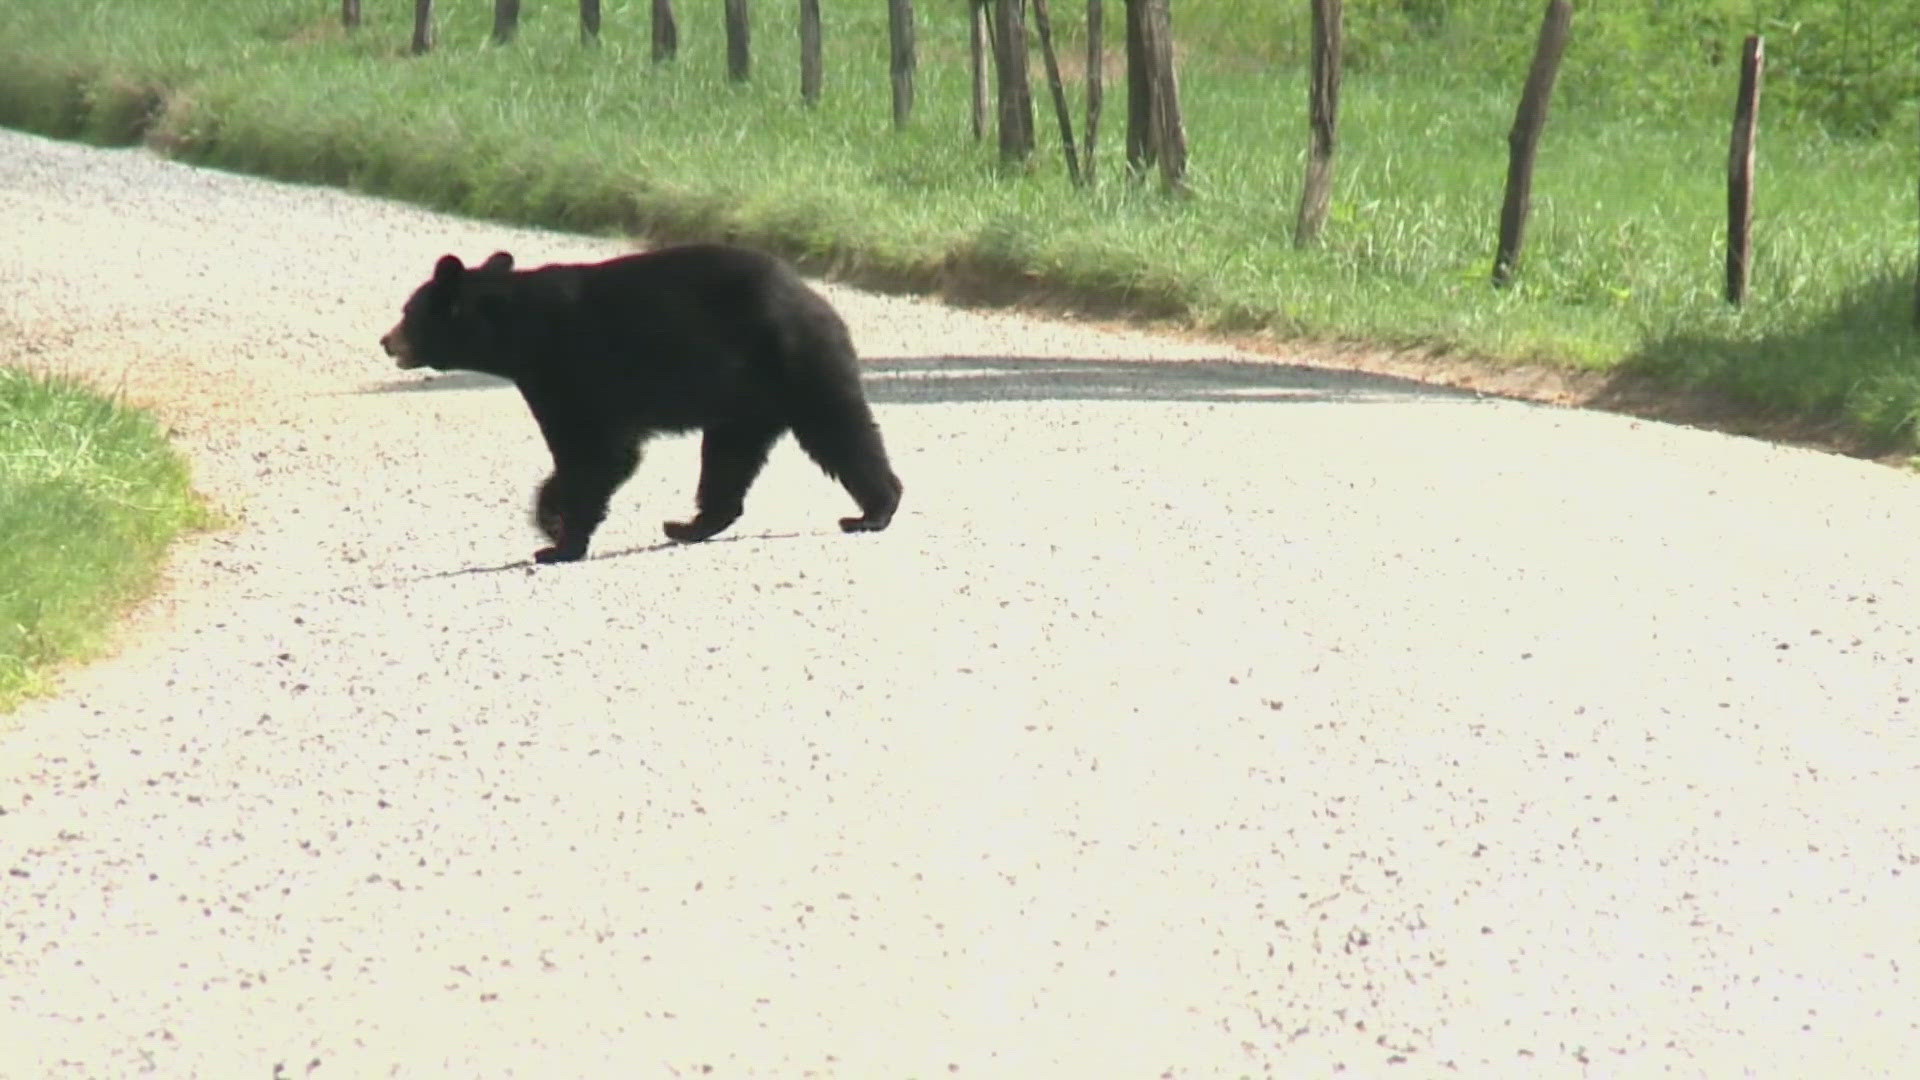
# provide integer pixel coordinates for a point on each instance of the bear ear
(498, 262)
(448, 269)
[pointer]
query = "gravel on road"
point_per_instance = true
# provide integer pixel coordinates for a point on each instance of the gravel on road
(1198, 716)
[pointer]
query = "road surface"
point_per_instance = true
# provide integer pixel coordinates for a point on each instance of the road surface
(1198, 716)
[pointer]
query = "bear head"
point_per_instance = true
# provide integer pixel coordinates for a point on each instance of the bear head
(457, 319)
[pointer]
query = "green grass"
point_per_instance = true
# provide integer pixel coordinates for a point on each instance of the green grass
(90, 496)
(1622, 270)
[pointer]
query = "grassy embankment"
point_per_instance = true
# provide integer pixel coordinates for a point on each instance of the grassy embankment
(90, 496)
(1622, 272)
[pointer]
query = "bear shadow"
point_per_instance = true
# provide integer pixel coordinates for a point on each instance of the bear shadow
(658, 547)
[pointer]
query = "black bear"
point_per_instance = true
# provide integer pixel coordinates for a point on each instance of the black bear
(712, 337)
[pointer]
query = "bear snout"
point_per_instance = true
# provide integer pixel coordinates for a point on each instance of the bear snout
(394, 342)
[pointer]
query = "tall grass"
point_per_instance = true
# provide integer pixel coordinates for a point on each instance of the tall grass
(1622, 268)
(90, 496)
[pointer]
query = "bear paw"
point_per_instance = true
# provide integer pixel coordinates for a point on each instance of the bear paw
(689, 532)
(557, 555)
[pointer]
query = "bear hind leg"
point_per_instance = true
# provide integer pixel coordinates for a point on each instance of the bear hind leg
(731, 456)
(846, 444)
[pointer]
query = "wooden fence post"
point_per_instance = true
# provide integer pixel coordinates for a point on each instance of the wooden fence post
(739, 43)
(422, 26)
(810, 52)
(1096, 61)
(1524, 139)
(977, 34)
(1169, 128)
(1044, 24)
(1015, 94)
(1323, 119)
(1746, 118)
(666, 32)
(350, 13)
(900, 58)
(589, 22)
(506, 20)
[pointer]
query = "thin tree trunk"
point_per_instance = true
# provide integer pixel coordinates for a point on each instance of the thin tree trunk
(1044, 24)
(901, 59)
(506, 20)
(1746, 118)
(1323, 119)
(977, 35)
(589, 22)
(739, 43)
(1140, 145)
(422, 27)
(810, 73)
(1524, 140)
(350, 13)
(1016, 97)
(666, 32)
(1096, 62)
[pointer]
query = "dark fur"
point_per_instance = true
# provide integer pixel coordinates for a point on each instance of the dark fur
(720, 339)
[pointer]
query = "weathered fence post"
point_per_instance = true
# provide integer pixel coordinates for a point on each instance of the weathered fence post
(1169, 128)
(350, 13)
(1156, 133)
(1045, 25)
(1323, 119)
(1746, 118)
(506, 20)
(589, 22)
(738, 41)
(666, 32)
(1096, 61)
(1524, 139)
(901, 59)
(422, 26)
(977, 33)
(1016, 96)
(810, 51)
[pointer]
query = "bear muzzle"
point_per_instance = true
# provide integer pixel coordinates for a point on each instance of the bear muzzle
(395, 343)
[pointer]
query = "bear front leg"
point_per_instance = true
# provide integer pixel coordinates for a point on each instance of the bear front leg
(572, 502)
(593, 454)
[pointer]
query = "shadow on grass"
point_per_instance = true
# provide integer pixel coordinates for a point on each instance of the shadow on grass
(944, 380)
(1847, 378)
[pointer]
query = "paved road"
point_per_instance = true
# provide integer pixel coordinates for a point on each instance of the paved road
(1197, 717)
